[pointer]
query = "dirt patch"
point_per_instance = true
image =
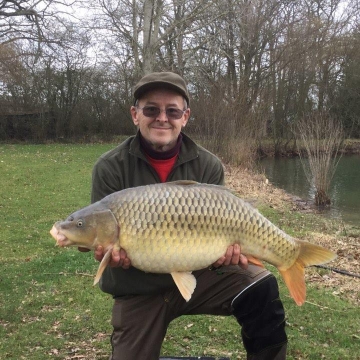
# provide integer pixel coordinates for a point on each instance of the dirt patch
(343, 240)
(347, 248)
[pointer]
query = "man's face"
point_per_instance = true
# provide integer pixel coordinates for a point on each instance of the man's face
(160, 131)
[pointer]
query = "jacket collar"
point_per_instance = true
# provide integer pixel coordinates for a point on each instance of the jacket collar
(188, 151)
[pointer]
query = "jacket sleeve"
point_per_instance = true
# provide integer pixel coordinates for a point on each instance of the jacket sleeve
(212, 168)
(217, 175)
(104, 180)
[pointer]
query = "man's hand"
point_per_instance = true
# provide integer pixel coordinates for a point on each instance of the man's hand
(118, 258)
(232, 256)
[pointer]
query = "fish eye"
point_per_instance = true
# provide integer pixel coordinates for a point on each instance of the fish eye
(80, 223)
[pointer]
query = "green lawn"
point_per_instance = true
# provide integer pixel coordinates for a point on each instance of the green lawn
(49, 308)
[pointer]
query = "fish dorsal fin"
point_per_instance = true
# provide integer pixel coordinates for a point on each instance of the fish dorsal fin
(104, 262)
(194, 183)
(183, 182)
(186, 283)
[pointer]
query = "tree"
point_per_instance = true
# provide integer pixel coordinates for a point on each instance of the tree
(253, 67)
(345, 102)
(147, 35)
(20, 20)
(34, 22)
(322, 137)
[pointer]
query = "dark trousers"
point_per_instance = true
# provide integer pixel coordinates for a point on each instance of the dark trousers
(140, 322)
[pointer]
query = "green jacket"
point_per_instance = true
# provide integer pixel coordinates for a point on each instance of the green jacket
(126, 166)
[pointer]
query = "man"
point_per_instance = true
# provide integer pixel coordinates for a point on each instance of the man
(146, 303)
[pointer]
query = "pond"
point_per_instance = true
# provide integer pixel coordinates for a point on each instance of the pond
(288, 174)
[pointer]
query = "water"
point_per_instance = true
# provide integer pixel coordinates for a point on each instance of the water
(288, 174)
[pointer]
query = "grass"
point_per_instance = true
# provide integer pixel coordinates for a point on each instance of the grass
(49, 308)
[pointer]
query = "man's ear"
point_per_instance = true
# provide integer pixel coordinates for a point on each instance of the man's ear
(134, 115)
(186, 117)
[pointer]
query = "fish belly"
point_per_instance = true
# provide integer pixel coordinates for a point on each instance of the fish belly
(160, 254)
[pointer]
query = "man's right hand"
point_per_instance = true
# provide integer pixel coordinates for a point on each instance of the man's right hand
(118, 258)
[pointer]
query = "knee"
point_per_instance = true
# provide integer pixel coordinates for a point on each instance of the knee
(260, 312)
(257, 299)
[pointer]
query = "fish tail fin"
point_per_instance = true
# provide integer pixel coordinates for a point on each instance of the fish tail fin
(295, 281)
(294, 276)
(104, 262)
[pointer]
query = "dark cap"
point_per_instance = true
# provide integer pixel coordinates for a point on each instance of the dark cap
(168, 80)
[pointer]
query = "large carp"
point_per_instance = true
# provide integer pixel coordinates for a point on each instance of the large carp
(182, 226)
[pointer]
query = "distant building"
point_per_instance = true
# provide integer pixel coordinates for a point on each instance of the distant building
(27, 126)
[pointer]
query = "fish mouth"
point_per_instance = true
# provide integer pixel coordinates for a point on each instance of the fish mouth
(61, 239)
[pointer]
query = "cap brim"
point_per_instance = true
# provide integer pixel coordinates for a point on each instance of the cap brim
(138, 93)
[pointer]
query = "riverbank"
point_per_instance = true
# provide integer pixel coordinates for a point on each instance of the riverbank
(339, 237)
(290, 149)
(352, 146)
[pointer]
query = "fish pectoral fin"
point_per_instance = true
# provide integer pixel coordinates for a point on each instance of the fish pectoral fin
(104, 263)
(254, 260)
(186, 283)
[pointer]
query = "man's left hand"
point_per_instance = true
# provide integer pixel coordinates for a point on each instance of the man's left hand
(233, 256)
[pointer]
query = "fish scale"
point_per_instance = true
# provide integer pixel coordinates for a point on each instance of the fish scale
(216, 216)
(184, 226)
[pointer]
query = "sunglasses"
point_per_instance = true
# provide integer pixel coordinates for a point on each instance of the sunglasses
(154, 111)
